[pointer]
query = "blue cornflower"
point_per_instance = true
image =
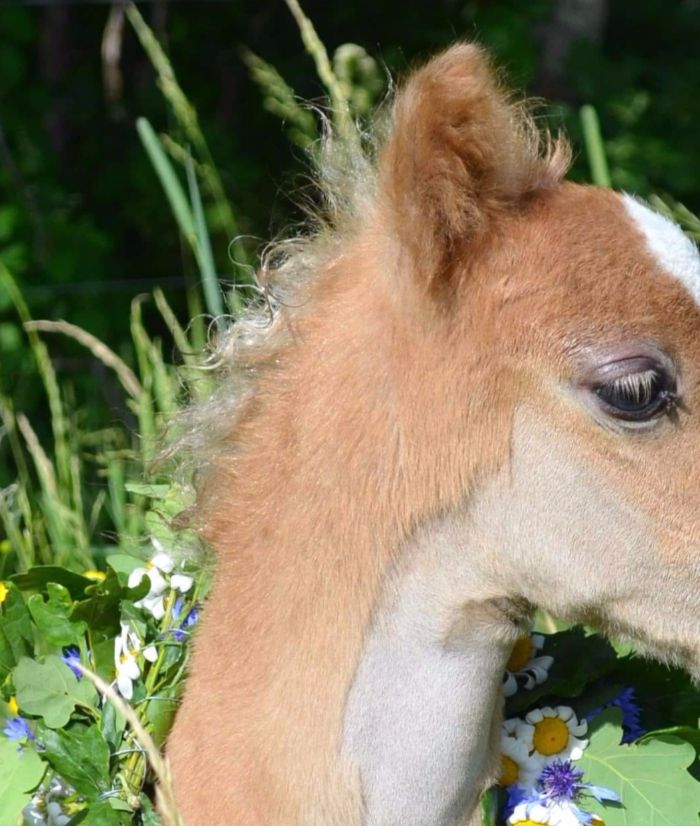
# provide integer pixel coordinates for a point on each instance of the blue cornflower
(626, 701)
(560, 780)
(515, 795)
(192, 617)
(71, 657)
(17, 728)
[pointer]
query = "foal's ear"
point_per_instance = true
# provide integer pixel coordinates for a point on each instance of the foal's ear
(458, 154)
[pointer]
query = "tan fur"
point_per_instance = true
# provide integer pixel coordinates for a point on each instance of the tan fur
(474, 285)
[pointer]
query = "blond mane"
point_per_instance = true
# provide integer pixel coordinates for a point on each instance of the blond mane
(345, 174)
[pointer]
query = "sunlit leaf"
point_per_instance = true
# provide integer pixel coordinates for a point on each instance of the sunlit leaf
(20, 772)
(650, 777)
(51, 690)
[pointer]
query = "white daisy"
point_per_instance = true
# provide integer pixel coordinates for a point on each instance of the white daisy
(534, 814)
(555, 733)
(524, 669)
(519, 766)
(572, 817)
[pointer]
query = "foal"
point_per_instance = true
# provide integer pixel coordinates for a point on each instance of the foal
(482, 398)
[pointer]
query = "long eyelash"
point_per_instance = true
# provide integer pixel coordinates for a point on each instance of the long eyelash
(636, 386)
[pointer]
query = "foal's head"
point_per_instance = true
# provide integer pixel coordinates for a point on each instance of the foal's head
(563, 347)
(486, 398)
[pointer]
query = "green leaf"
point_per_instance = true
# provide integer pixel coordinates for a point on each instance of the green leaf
(123, 565)
(101, 608)
(161, 710)
(112, 725)
(149, 816)
(103, 658)
(37, 578)
(51, 690)
(20, 773)
(651, 777)
(16, 639)
(133, 616)
(80, 756)
(489, 808)
(120, 805)
(150, 491)
(51, 617)
(690, 735)
(100, 813)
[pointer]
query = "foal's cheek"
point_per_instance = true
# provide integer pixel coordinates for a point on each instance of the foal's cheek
(571, 536)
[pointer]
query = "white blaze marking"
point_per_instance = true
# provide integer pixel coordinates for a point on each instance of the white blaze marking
(671, 247)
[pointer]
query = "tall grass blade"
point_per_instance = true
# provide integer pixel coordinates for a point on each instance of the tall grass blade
(169, 180)
(186, 116)
(314, 46)
(279, 99)
(595, 151)
(176, 331)
(59, 423)
(205, 258)
(100, 350)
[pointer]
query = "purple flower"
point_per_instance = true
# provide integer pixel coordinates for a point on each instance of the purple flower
(16, 728)
(71, 657)
(560, 781)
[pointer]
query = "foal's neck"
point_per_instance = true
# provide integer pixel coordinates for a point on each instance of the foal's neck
(424, 711)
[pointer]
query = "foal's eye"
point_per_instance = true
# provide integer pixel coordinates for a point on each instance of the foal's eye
(637, 396)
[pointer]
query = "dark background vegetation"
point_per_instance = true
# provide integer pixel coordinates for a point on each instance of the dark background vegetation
(84, 225)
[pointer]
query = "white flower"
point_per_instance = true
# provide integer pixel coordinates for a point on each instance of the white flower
(181, 583)
(519, 766)
(535, 814)
(157, 569)
(570, 817)
(524, 669)
(554, 733)
(126, 648)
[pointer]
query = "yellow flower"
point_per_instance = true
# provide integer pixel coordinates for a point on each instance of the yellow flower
(4, 591)
(95, 576)
(12, 706)
(521, 654)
